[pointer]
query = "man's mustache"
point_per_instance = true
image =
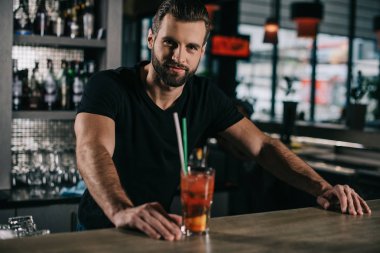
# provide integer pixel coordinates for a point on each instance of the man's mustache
(176, 65)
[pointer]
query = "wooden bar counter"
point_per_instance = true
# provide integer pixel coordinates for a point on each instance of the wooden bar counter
(297, 230)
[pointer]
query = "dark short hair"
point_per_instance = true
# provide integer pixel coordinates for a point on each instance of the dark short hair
(183, 10)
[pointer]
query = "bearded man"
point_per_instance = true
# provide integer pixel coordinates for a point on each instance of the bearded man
(127, 149)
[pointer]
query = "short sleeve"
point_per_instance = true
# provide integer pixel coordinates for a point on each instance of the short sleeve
(223, 111)
(102, 95)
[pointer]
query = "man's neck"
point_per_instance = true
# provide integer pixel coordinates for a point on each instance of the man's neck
(161, 94)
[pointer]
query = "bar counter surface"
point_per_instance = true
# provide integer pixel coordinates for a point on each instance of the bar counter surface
(297, 230)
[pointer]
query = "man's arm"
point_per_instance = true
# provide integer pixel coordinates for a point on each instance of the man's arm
(270, 153)
(95, 146)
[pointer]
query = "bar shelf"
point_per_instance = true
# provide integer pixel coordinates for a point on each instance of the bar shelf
(53, 41)
(47, 115)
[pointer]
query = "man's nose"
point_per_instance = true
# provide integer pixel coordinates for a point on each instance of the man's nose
(179, 55)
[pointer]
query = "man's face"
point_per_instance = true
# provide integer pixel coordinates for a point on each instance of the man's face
(177, 49)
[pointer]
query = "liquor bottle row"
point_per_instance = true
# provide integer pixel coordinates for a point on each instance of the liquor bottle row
(71, 18)
(50, 92)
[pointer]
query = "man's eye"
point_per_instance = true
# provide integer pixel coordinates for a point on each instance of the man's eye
(168, 43)
(193, 48)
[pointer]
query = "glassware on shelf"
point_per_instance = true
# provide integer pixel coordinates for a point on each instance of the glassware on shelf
(57, 20)
(78, 85)
(70, 173)
(19, 176)
(49, 7)
(50, 85)
(44, 168)
(65, 87)
(6, 232)
(41, 24)
(50, 90)
(35, 90)
(16, 87)
(20, 87)
(74, 26)
(36, 170)
(54, 17)
(88, 19)
(21, 20)
(16, 4)
(90, 69)
(24, 226)
(32, 10)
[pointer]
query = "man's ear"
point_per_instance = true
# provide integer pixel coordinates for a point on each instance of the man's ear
(150, 38)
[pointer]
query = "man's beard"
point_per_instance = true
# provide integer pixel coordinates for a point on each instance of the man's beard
(168, 78)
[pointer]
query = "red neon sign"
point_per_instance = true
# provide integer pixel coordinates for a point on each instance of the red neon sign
(233, 46)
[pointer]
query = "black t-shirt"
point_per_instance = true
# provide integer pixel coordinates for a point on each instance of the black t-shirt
(146, 151)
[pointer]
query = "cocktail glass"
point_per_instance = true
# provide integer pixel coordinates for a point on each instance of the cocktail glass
(197, 190)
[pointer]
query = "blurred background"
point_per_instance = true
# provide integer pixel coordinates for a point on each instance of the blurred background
(304, 71)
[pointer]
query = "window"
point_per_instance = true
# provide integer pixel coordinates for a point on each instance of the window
(294, 62)
(365, 59)
(254, 76)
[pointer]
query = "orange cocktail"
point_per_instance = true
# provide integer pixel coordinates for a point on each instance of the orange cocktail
(197, 190)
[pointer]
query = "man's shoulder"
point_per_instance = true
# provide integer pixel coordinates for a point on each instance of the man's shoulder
(120, 73)
(118, 78)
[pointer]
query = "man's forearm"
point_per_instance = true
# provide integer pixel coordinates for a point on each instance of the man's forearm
(284, 164)
(98, 170)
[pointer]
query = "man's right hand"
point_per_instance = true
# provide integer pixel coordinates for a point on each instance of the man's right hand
(152, 219)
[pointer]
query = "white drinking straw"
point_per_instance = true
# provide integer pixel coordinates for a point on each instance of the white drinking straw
(179, 139)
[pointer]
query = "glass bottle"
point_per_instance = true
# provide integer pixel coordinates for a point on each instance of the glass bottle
(70, 80)
(32, 11)
(50, 86)
(41, 22)
(57, 20)
(77, 86)
(89, 70)
(66, 11)
(80, 7)
(88, 19)
(16, 4)
(65, 87)
(16, 87)
(21, 20)
(35, 96)
(74, 26)
(23, 76)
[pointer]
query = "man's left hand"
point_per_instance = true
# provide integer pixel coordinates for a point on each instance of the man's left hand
(349, 201)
